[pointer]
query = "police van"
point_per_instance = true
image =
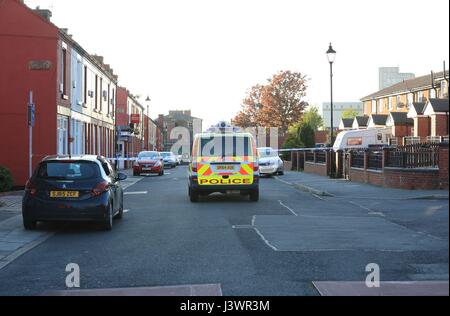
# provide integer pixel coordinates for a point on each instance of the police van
(224, 160)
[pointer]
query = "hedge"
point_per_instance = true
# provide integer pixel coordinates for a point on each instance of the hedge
(6, 180)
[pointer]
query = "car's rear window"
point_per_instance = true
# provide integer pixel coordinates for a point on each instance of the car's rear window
(225, 146)
(77, 170)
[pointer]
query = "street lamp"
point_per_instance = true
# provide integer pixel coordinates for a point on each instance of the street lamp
(331, 55)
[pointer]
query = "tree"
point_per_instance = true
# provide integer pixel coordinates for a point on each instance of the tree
(279, 103)
(249, 116)
(283, 99)
(349, 114)
(307, 135)
(313, 118)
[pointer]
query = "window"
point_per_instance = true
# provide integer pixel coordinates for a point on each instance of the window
(444, 89)
(101, 94)
(380, 105)
(63, 71)
(107, 103)
(85, 86)
(374, 106)
(96, 92)
(390, 103)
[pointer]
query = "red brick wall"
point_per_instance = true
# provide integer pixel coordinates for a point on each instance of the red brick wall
(321, 137)
(441, 125)
(320, 169)
(419, 179)
(443, 167)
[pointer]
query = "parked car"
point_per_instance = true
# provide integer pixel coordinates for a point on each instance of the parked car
(270, 162)
(148, 162)
(170, 159)
(73, 188)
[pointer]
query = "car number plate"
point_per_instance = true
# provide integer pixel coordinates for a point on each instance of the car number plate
(64, 194)
(146, 169)
(225, 168)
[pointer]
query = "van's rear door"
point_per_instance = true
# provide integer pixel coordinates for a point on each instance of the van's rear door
(226, 160)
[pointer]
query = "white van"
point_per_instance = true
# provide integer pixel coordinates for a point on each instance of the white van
(362, 138)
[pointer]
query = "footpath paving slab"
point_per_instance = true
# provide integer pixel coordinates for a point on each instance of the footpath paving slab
(415, 288)
(340, 233)
(344, 188)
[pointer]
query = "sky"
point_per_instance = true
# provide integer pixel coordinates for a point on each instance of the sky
(203, 55)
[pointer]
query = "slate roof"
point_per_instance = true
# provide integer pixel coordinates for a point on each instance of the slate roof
(401, 118)
(362, 120)
(347, 122)
(439, 105)
(379, 119)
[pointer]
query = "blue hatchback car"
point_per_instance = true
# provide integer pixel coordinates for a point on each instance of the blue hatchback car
(73, 188)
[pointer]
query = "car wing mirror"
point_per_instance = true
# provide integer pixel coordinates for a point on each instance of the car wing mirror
(121, 176)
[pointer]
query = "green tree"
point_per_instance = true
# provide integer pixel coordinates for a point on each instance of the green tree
(313, 118)
(307, 135)
(349, 114)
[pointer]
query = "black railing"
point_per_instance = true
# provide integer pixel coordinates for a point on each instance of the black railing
(321, 156)
(375, 159)
(309, 156)
(357, 158)
(413, 156)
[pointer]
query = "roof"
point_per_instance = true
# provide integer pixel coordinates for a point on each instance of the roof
(406, 85)
(439, 105)
(72, 157)
(347, 122)
(362, 120)
(401, 118)
(379, 119)
(419, 107)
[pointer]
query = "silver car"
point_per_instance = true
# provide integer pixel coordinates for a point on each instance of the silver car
(270, 162)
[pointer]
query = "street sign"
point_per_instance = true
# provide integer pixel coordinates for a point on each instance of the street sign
(31, 114)
(135, 118)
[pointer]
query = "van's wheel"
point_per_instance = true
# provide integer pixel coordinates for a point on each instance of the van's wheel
(254, 195)
(193, 195)
(108, 223)
(29, 225)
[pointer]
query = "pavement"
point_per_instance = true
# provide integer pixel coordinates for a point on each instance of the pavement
(292, 242)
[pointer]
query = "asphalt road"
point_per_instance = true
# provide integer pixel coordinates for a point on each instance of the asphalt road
(277, 246)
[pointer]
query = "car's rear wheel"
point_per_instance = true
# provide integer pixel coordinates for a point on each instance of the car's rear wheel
(193, 195)
(254, 195)
(281, 173)
(28, 224)
(108, 223)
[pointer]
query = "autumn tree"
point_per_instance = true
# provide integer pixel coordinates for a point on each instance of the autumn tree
(249, 116)
(279, 103)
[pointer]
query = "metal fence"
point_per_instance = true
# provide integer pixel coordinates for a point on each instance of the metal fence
(413, 156)
(375, 159)
(357, 158)
(309, 156)
(321, 156)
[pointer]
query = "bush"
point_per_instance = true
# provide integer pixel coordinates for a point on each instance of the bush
(6, 180)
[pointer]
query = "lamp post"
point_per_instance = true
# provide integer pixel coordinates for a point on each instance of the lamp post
(331, 55)
(148, 100)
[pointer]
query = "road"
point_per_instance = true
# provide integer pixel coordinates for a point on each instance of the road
(277, 246)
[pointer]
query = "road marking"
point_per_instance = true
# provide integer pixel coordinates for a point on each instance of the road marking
(264, 239)
(126, 211)
(135, 193)
(290, 210)
(277, 178)
(316, 196)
